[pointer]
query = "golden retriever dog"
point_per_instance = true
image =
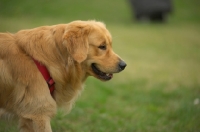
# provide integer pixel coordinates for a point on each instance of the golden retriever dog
(70, 52)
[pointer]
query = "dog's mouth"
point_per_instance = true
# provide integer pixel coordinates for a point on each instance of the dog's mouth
(101, 75)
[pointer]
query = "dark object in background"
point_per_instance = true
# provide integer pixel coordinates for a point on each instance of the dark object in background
(153, 10)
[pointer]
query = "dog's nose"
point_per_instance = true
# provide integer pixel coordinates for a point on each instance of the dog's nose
(122, 65)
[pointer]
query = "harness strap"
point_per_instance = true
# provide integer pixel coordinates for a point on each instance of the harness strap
(45, 73)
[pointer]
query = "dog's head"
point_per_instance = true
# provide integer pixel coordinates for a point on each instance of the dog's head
(90, 43)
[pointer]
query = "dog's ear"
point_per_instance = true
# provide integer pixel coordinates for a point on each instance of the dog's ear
(76, 40)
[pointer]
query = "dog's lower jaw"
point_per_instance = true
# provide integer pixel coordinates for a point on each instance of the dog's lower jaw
(99, 74)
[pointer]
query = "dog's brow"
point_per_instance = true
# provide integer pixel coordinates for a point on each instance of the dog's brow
(109, 41)
(103, 43)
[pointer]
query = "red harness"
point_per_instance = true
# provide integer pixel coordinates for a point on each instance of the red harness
(46, 75)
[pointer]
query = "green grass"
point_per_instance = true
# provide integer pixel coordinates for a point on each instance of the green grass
(157, 90)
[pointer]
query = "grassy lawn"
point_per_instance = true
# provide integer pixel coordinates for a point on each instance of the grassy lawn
(159, 91)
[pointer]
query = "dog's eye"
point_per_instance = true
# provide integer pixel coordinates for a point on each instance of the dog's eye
(103, 47)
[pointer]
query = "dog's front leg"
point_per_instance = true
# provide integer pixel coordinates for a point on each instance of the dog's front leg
(38, 124)
(42, 124)
(25, 125)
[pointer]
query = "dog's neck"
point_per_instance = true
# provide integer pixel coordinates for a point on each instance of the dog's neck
(46, 75)
(66, 72)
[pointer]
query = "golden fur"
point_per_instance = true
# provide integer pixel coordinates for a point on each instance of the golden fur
(71, 52)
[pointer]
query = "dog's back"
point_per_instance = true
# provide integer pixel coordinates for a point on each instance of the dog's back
(6, 43)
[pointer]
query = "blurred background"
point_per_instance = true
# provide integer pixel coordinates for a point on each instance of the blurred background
(159, 91)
